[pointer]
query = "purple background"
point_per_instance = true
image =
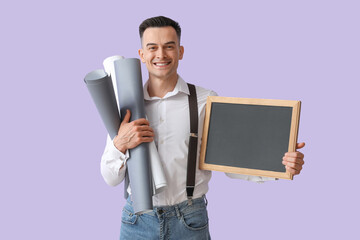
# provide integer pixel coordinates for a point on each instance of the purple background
(52, 137)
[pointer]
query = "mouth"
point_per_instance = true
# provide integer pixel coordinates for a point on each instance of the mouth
(161, 64)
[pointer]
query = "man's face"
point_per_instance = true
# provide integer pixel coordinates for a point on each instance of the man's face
(161, 52)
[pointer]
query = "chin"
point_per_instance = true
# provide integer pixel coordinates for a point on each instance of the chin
(162, 74)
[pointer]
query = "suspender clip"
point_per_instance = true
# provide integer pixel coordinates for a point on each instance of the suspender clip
(189, 200)
(195, 135)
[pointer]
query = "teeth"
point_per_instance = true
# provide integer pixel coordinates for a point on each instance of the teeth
(161, 64)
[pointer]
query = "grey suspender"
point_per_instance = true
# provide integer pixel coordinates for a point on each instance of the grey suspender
(193, 142)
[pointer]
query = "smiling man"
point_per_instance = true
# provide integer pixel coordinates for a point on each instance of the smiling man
(179, 213)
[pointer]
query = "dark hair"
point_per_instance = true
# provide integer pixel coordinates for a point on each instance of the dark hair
(159, 21)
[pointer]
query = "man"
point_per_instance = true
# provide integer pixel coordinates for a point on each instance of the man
(167, 108)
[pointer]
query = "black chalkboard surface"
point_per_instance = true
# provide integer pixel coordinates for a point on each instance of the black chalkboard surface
(249, 136)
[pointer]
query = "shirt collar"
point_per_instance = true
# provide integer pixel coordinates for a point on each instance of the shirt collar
(181, 86)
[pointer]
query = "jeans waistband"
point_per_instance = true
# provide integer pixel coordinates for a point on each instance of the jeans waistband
(183, 207)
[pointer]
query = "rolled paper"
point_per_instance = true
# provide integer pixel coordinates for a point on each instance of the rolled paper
(159, 180)
(101, 90)
(109, 68)
(108, 64)
(131, 96)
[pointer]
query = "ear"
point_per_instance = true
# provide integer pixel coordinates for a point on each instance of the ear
(181, 52)
(141, 54)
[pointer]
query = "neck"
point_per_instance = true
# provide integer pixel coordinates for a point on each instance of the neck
(159, 87)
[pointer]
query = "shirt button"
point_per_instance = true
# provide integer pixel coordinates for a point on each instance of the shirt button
(161, 120)
(161, 141)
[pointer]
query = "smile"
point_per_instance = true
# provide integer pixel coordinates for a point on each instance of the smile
(161, 64)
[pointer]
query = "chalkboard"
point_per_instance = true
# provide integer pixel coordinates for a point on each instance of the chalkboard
(249, 136)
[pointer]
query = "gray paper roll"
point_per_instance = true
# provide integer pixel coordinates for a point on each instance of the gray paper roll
(102, 92)
(159, 179)
(131, 96)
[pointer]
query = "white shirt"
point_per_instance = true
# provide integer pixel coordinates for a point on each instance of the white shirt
(170, 120)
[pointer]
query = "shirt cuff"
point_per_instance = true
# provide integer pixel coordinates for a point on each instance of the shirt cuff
(250, 178)
(118, 154)
(113, 158)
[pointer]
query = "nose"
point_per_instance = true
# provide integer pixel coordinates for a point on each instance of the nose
(161, 53)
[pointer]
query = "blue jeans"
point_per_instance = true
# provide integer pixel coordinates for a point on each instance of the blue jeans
(180, 221)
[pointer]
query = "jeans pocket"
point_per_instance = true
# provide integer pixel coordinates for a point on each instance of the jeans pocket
(196, 219)
(128, 216)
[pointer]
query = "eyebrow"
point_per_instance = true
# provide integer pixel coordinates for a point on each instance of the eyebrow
(167, 43)
(150, 44)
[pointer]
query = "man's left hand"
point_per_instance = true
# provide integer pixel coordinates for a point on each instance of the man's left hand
(294, 161)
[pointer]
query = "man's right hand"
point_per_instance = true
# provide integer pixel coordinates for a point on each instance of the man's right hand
(131, 134)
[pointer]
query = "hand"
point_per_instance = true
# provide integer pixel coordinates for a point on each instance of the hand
(294, 161)
(131, 134)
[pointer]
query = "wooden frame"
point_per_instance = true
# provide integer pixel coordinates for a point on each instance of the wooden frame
(295, 115)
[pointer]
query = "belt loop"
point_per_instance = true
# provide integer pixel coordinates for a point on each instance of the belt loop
(206, 201)
(177, 211)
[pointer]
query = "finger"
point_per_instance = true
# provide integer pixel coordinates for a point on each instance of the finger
(141, 121)
(294, 160)
(300, 145)
(127, 117)
(147, 134)
(138, 140)
(141, 136)
(292, 165)
(143, 128)
(294, 154)
(147, 139)
(144, 140)
(292, 171)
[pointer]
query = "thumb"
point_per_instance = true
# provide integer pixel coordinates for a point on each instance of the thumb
(127, 117)
(300, 145)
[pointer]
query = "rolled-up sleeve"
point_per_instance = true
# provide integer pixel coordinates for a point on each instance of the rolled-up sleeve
(113, 164)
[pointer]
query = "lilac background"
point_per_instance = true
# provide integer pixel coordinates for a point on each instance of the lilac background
(52, 137)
